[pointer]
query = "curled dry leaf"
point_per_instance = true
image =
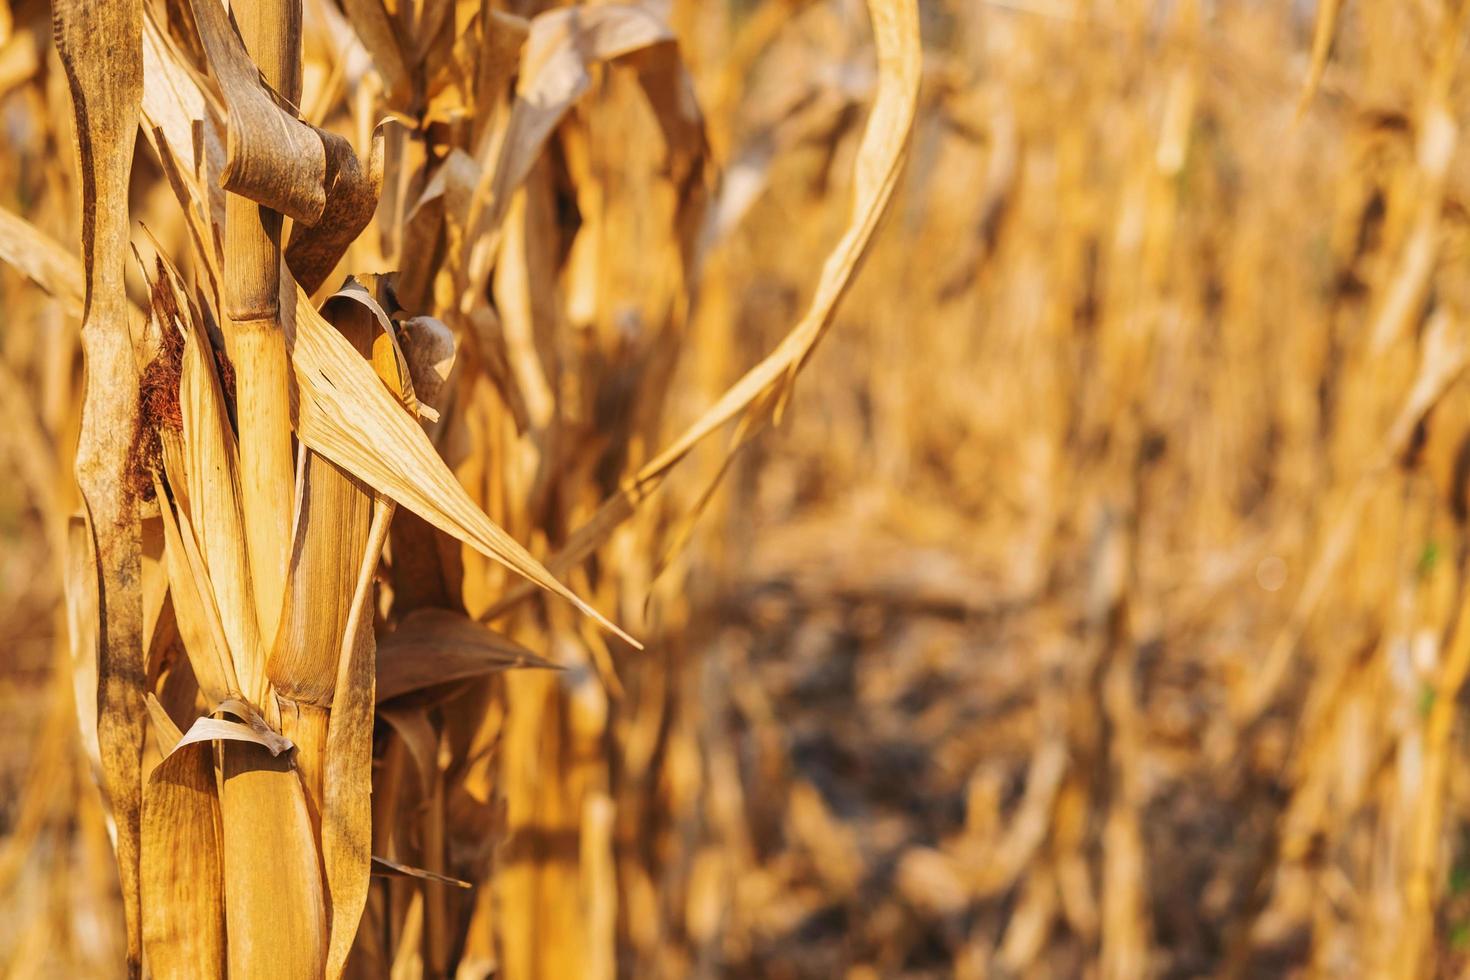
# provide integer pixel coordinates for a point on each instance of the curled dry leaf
(352, 196)
(271, 157)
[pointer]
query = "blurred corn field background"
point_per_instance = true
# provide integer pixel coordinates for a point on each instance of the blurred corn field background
(1093, 601)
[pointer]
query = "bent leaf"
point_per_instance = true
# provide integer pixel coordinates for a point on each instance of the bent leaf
(41, 259)
(436, 646)
(352, 197)
(271, 156)
(346, 413)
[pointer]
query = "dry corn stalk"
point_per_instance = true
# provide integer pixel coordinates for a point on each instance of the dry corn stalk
(249, 646)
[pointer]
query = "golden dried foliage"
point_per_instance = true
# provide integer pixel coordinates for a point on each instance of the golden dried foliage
(1093, 601)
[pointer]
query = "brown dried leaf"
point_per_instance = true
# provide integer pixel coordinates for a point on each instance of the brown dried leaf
(380, 37)
(198, 620)
(556, 62)
(436, 646)
(271, 156)
(352, 197)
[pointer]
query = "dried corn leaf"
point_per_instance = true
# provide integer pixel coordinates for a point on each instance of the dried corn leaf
(271, 156)
(417, 733)
(165, 732)
(346, 414)
(211, 469)
(436, 646)
(380, 37)
(40, 258)
(556, 63)
(352, 197)
(428, 349)
(1322, 34)
(194, 610)
(257, 730)
(392, 869)
(179, 109)
(347, 818)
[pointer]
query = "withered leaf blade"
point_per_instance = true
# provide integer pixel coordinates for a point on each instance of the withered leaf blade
(212, 476)
(556, 64)
(181, 115)
(375, 28)
(250, 728)
(352, 197)
(436, 646)
(271, 156)
(347, 817)
(346, 413)
(194, 610)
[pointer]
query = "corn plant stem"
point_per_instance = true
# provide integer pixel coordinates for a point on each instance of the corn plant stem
(271, 30)
(100, 44)
(306, 726)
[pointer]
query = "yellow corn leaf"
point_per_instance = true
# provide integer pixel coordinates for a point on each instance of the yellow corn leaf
(347, 415)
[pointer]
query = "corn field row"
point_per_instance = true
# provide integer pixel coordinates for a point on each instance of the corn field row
(782, 488)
